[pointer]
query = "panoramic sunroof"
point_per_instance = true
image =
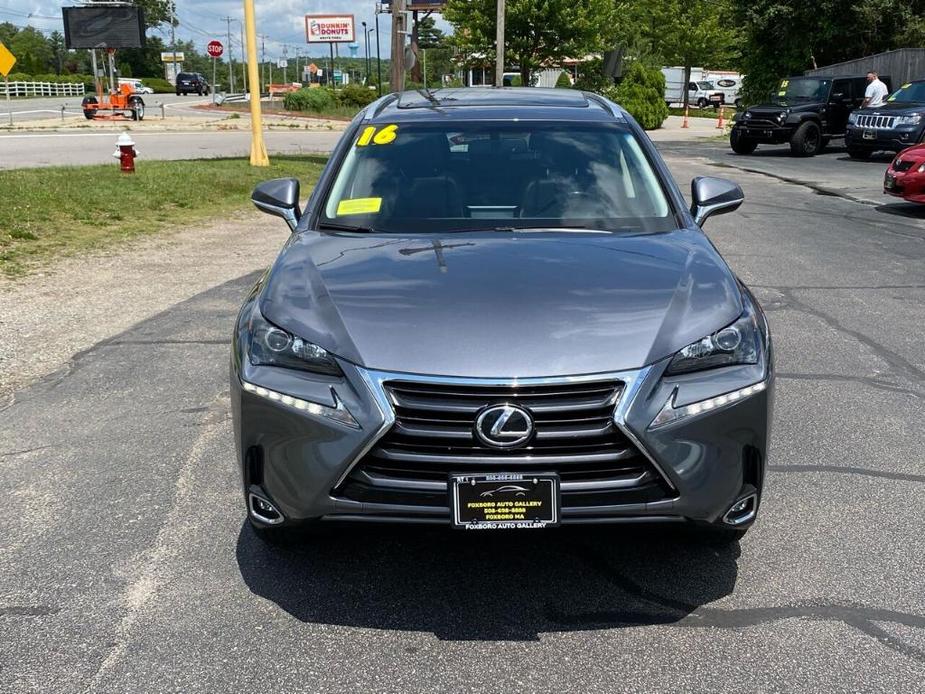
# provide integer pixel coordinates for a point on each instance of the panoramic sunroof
(490, 96)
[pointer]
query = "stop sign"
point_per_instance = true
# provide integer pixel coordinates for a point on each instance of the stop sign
(215, 49)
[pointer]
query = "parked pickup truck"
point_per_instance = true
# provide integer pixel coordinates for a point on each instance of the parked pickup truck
(805, 112)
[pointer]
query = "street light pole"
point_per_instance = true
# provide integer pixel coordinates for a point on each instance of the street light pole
(499, 48)
(366, 47)
(378, 57)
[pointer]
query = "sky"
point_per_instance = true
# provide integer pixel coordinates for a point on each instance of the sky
(202, 20)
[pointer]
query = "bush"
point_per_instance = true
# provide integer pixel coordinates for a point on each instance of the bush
(309, 99)
(158, 84)
(355, 95)
(563, 81)
(642, 93)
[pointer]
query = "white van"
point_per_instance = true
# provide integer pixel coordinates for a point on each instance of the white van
(700, 91)
(137, 86)
(729, 84)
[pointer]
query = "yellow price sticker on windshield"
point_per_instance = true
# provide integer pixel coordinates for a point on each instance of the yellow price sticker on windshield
(359, 206)
(906, 85)
(784, 84)
(381, 136)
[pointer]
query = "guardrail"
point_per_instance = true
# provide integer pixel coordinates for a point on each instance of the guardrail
(43, 89)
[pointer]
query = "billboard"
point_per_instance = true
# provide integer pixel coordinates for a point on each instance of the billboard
(103, 27)
(329, 28)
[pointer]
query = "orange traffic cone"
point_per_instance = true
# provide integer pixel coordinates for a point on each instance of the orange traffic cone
(721, 123)
(684, 124)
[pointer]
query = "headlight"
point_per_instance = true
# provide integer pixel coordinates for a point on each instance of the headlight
(738, 343)
(782, 116)
(272, 346)
(909, 120)
(853, 118)
(747, 115)
(921, 168)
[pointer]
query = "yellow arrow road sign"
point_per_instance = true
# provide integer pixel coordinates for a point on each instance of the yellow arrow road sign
(7, 60)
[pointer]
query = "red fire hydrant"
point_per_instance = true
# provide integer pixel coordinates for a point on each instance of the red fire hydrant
(126, 153)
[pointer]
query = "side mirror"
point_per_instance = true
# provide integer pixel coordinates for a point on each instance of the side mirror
(714, 196)
(279, 197)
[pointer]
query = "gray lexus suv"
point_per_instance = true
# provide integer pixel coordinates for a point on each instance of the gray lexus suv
(495, 311)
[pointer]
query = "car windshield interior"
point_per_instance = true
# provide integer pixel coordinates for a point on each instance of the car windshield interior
(796, 89)
(705, 85)
(473, 176)
(912, 93)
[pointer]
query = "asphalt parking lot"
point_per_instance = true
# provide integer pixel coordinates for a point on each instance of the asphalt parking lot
(126, 563)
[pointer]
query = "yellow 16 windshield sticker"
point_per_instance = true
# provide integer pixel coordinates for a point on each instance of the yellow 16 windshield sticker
(373, 136)
(359, 206)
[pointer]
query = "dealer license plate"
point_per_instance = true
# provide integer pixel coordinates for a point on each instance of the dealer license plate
(870, 135)
(502, 501)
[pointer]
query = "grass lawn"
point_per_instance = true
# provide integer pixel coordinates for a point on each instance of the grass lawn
(51, 212)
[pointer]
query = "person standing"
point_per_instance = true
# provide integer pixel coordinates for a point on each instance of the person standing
(876, 92)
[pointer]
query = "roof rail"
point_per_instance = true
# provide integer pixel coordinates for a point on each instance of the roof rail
(380, 104)
(615, 110)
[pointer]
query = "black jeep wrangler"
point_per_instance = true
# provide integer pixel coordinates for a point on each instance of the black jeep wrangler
(806, 112)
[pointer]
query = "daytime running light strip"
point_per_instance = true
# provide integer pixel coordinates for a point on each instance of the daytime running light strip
(338, 413)
(670, 413)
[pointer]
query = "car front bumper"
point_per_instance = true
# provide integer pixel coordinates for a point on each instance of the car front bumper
(909, 185)
(882, 139)
(764, 131)
(311, 467)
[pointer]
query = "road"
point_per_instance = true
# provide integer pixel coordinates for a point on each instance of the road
(71, 149)
(126, 564)
(42, 108)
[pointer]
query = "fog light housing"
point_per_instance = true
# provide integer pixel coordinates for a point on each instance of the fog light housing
(742, 511)
(263, 510)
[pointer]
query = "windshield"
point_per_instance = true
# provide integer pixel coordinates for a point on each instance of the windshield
(705, 85)
(469, 176)
(910, 92)
(803, 89)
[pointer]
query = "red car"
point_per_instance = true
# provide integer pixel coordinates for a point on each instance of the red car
(906, 176)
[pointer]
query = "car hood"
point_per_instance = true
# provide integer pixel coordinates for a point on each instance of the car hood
(791, 106)
(893, 108)
(501, 304)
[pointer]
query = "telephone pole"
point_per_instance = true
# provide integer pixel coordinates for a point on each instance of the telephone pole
(228, 20)
(499, 48)
(173, 38)
(398, 45)
(263, 61)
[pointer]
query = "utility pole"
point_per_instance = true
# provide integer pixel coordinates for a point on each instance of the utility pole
(398, 45)
(243, 59)
(173, 38)
(228, 20)
(499, 49)
(263, 61)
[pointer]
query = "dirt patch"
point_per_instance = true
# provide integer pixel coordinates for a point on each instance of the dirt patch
(51, 316)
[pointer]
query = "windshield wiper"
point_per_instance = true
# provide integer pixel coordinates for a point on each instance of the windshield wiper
(553, 227)
(333, 226)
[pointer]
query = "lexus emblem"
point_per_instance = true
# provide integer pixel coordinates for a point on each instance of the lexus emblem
(504, 426)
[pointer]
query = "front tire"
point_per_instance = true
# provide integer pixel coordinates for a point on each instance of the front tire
(138, 108)
(741, 144)
(701, 103)
(807, 140)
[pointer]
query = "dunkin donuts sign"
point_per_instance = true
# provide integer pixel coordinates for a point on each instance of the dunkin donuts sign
(329, 28)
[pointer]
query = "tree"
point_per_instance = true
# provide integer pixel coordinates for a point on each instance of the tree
(537, 32)
(33, 54)
(58, 51)
(680, 32)
(787, 37)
